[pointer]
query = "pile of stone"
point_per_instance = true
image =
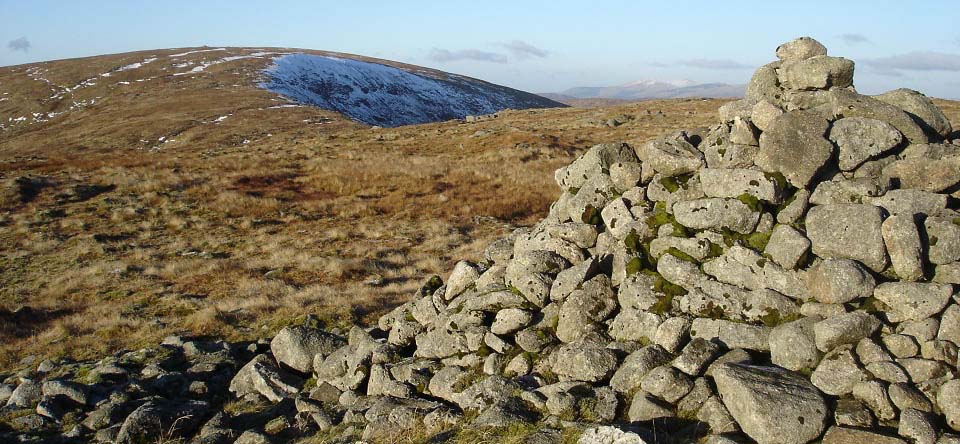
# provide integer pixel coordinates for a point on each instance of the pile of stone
(785, 276)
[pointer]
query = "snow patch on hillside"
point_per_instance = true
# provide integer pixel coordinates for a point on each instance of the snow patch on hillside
(382, 95)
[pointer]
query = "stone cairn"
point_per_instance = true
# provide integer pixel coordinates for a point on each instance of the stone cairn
(783, 277)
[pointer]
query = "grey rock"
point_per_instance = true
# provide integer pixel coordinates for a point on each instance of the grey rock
(874, 395)
(792, 345)
(732, 334)
(716, 415)
(440, 343)
(950, 325)
(787, 246)
(26, 395)
(888, 371)
(844, 103)
(261, 376)
(716, 213)
(793, 211)
(667, 383)
(297, 346)
(584, 308)
(845, 435)
(850, 412)
(913, 300)
(595, 194)
(860, 138)
(644, 407)
(510, 320)
(570, 279)
(732, 183)
(848, 328)
(948, 399)
(736, 109)
(838, 372)
(636, 365)
(76, 392)
(670, 156)
(584, 362)
(943, 351)
(764, 113)
(764, 84)
(943, 239)
(772, 405)
(5, 391)
(838, 281)
(162, 418)
(696, 356)
(626, 175)
(905, 396)
(673, 333)
(795, 146)
(917, 426)
(801, 48)
(921, 108)
(926, 174)
(902, 239)
(486, 392)
(580, 234)
(901, 346)
(464, 274)
(851, 231)
(817, 72)
(609, 435)
(592, 163)
(922, 370)
(910, 202)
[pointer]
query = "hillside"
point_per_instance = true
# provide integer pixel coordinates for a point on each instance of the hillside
(178, 196)
(651, 89)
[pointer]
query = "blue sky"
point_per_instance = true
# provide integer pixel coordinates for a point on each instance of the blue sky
(539, 46)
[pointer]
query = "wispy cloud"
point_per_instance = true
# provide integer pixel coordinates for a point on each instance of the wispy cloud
(916, 61)
(713, 64)
(523, 50)
(853, 38)
(445, 55)
(21, 44)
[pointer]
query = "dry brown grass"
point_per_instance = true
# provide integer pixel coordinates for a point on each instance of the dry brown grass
(211, 236)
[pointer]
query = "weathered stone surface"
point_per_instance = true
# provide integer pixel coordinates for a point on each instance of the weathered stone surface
(787, 246)
(943, 239)
(845, 435)
(913, 300)
(584, 362)
(644, 407)
(261, 376)
(510, 320)
(464, 274)
(162, 418)
(716, 213)
(860, 138)
(732, 334)
(667, 383)
(848, 328)
(851, 231)
(772, 405)
(696, 356)
(732, 183)
(297, 346)
(902, 239)
(921, 108)
(670, 156)
(795, 146)
(838, 372)
(792, 345)
(917, 426)
(846, 103)
(948, 399)
(592, 163)
(817, 72)
(609, 435)
(925, 174)
(801, 48)
(838, 281)
(636, 365)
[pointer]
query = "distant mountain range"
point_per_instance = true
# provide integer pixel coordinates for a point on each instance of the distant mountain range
(651, 89)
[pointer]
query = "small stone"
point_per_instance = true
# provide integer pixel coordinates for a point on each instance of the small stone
(902, 346)
(838, 372)
(792, 345)
(913, 300)
(510, 320)
(298, 346)
(645, 407)
(917, 426)
(848, 328)
(948, 399)
(902, 239)
(860, 138)
(696, 356)
(667, 383)
(716, 213)
(673, 333)
(584, 362)
(801, 48)
(795, 146)
(787, 246)
(874, 395)
(636, 365)
(905, 396)
(464, 274)
(844, 435)
(850, 412)
(838, 281)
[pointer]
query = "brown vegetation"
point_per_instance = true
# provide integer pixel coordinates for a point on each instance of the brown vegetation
(114, 238)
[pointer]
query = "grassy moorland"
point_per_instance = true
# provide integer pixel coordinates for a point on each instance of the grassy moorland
(165, 198)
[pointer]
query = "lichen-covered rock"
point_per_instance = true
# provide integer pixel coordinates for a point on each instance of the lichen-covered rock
(851, 231)
(772, 405)
(298, 346)
(792, 345)
(584, 362)
(860, 138)
(921, 108)
(838, 281)
(716, 213)
(817, 72)
(795, 146)
(913, 300)
(847, 328)
(801, 48)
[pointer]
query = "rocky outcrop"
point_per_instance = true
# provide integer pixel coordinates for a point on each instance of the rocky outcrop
(786, 276)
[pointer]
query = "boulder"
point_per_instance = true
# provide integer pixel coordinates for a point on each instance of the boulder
(298, 346)
(851, 231)
(771, 404)
(795, 145)
(860, 138)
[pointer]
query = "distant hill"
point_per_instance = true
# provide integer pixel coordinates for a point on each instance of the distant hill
(651, 89)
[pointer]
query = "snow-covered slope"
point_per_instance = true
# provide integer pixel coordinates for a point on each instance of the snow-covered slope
(388, 96)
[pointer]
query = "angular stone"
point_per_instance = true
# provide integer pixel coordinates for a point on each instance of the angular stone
(921, 108)
(909, 202)
(792, 345)
(584, 362)
(570, 279)
(172, 419)
(670, 156)
(851, 231)
(644, 407)
(838, 281)
(696, 356)
(917, 426)
(764, 84)
(838, 372)
(742, 131)
(926, 174)
(464, 274)
(844, 435)
(673, 333)
(948, 399)
(636, 365)
(850, 412)
(609, 435)
(801, 48)
(584, 308)
(818, 72)
(764, 113)
(950, 325)
(943, 239)
(860, 138)
(510, 320)
(902, 239)
(667, 383)
(787, 246)
(597, 159)
(913, 300)
(795, 146)
(298, 346)
(846, 103)
(716, 213)
(772, 405)
(905, 396)
(732, 334)
(874, 395)
(263, 377)
(732, 183)
(848, 328)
